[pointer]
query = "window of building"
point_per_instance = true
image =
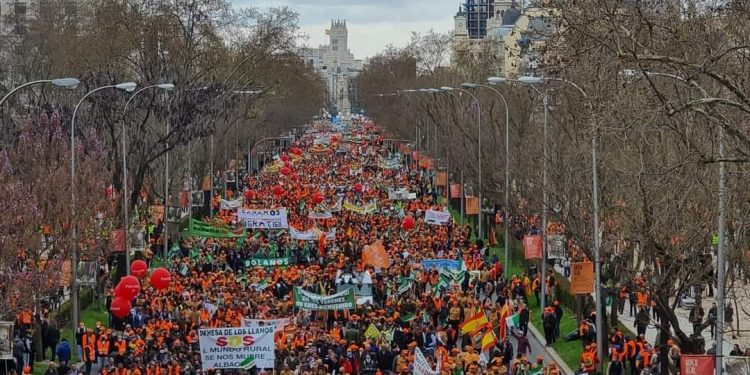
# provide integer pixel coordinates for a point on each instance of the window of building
(19, 9)
(334, 41)
(334, 48)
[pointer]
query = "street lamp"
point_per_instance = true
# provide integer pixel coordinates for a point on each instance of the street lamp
(479, 141)
(720, 251)
(530, 80)
(129, 87)
(165, 87)
(66, 83)
(507, 172)
(543, 284)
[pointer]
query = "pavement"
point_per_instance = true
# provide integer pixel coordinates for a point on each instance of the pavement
(687, 327)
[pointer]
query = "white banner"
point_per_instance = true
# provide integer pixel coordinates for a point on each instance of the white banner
(278, 323)
(263, 218)
(556, 247)
(398, 195)
(312, 234)
(243, 347)
(437, 217)
(421, 366)
(230, 205)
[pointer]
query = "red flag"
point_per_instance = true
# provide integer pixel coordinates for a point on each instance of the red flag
(322, 244)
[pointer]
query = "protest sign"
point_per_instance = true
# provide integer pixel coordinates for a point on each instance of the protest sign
(696, 364)
(437, 217)
(376, 256)
(582, 278)
(450, 264)
(532, 246)
(280, 324)
(312, 234)
(267, 262)
(263, 218)
(421, 366)
(310, 301)
(472, 206)
(237, 348)
(230, 205)
(556, 247)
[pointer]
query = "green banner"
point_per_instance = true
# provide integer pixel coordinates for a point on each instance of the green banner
(200, 228)
(267, 262)
(344, 300)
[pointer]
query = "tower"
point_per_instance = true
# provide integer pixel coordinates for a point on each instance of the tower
(338, 38)
(459, 22)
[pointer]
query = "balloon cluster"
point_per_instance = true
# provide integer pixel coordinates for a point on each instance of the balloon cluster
(129, 286)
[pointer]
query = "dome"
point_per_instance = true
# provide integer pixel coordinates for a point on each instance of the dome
(511, 16)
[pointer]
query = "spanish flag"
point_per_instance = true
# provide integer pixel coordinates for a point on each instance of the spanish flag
(504, 313)
(475, 323)
(488, 340)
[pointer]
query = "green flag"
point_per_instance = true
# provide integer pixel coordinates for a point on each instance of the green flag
(372, 332)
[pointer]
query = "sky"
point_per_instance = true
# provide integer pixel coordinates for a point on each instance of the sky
(372, 25)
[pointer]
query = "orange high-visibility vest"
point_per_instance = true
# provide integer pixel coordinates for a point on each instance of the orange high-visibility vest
(103, 347)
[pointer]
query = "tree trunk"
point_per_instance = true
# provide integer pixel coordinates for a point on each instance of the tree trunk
(663, 348)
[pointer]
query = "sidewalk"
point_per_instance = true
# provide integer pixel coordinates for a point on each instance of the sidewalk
(685, 325)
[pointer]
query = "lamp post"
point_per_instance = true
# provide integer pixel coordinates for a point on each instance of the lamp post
(166, 87)
(543, 284)
(595, 197)
(479, 153)
(127, 86)
(721, 250)
(66, 83)
(507, 172)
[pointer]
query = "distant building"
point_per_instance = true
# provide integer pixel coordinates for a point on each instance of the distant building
(336, 64)
(504, 32)
(16, 14)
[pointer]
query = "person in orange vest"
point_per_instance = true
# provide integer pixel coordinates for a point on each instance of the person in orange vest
(588, 360)
(102, 350)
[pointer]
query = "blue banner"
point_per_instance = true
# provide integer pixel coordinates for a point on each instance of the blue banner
(450, 264)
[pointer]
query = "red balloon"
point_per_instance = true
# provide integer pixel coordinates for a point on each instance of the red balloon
(278, 191)
(296, 150)
(138, 268)
(318, 198)
(249, 194)
(160, 278)
(335, 138)
(358, 187)
(287, 164)
(286, 171)
(128, 287)
(284, 157)
(408, 223)
(120, 307)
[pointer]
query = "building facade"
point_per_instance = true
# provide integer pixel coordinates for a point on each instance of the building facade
(506, 33)
(337, 65)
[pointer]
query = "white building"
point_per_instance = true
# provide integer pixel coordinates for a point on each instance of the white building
(336, 64)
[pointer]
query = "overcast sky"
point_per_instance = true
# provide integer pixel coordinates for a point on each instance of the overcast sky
(372, 24)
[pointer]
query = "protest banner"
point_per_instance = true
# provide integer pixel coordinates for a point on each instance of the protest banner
(311, 234)
(280, 324)
(455, 191)
(267, 262)
(398, 194)
(449, 264)
(441, 179)
(532, 246)
(237, 348)
(6, 341)
(362, 210)
(310, 301)
(117, 240)
(696, 364)
(263, 218)
(230, 205)
(421, 366)
(582, 278)
(556, 247)
(437, 217)
(376, 256)
(472, 206)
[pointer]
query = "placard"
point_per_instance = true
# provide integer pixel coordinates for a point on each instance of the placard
(556, 247)
(241, 347)
(117, 240)
(696, 364)
(472, 206)
(532, 246)
(441, 179)
(455, 191)
(437, 217)
(582, 278)
(421, 366)
(449, 264)
(263, 218)
(310, 301)
(267, 262)
(280, 324)
(6, 340)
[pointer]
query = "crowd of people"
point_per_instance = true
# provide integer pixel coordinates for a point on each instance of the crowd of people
(406, 306)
